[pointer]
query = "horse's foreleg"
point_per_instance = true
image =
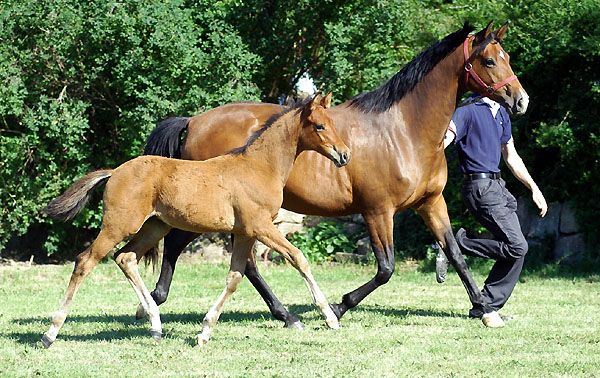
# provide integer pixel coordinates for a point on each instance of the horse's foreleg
(435, 214)
(84, 263)
(381, 231)
(127, 259)
(271, 237)
(242, 247)
(277, 309)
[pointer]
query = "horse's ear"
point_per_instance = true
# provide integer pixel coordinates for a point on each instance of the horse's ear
(315, 101)
(501, 31)
(326, 101)
(483, 34)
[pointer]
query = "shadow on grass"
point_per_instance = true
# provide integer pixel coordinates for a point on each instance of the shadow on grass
(140, 328)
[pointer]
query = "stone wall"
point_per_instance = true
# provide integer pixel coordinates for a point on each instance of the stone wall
(558, 230)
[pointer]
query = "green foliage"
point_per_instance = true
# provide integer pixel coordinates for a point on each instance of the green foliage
(320, 243)
(83, 83)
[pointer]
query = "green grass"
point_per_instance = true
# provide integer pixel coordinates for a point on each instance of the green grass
(409, 327)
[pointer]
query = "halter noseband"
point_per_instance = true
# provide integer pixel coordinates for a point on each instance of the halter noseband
(469, 71)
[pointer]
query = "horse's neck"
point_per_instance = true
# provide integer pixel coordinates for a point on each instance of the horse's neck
(277, 147)
(433, 101)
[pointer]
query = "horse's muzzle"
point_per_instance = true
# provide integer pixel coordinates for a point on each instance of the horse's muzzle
(520, 103)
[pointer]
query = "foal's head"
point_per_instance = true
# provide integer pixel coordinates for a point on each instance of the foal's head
(492, 64)
(319, 133)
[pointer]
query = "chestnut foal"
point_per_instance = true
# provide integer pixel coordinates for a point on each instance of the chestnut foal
(240, 193)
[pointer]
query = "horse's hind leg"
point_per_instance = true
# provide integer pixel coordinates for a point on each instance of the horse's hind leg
(271, 237)
(127, 259)
(84, 263)
(242, 247)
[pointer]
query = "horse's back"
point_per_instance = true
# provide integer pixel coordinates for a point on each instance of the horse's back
(219, 130)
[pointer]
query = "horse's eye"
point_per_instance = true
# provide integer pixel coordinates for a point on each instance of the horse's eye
(319, 127)
(490, 62)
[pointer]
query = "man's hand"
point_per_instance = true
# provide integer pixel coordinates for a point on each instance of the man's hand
(540, 201)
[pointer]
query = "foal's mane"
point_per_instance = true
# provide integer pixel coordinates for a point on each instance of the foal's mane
(382, 98)
(295, 105)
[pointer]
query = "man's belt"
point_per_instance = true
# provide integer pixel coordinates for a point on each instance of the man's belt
(480, 176)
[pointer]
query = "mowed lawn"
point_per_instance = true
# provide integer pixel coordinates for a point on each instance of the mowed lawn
(409, 327)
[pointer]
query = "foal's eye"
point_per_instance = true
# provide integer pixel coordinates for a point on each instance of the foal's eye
(319, 127)
(490, 62)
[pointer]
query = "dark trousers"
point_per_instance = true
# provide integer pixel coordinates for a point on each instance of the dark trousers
(495, 208)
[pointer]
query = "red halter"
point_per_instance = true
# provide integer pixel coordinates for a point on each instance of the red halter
(469, 68)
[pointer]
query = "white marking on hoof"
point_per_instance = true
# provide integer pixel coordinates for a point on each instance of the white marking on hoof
(47, 341)
(141, 312)
(201, 340)
(492, 320)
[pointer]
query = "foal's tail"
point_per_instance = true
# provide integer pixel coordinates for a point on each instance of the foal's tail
(70, 203)
(167, 138)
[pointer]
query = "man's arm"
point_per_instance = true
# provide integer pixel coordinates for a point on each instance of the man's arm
(517, 167)
(450, 134)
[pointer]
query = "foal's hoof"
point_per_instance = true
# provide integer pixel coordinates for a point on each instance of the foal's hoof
(200, 340)
(492, 320)
(333, 324)
(156, 335)
(46, 341)
(140, 313)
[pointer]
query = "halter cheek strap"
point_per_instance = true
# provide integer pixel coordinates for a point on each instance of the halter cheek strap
(469, 71)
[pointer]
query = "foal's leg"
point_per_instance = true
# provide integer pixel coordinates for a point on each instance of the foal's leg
(127, 259)
(269, 235)
(175, 241)
(242, 247)
(435, 214)
(84, 263)
(381, 231)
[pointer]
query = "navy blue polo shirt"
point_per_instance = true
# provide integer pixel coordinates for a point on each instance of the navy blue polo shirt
(479, 136)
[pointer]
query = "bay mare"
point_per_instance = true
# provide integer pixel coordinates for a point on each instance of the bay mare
(395, 133)
(240, 192)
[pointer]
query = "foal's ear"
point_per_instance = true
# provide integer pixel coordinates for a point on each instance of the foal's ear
(483, 34)
(326, 101)
(501, 31)
(316, 101)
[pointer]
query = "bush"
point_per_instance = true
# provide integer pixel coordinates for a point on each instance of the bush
(320, 243)
(83, 83)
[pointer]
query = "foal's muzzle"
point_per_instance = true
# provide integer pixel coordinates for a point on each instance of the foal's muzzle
(340, 158)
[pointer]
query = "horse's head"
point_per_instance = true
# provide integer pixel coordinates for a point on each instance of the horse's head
(488, 70)
(319, 133)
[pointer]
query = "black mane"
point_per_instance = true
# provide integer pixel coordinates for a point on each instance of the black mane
(382, 98)
(288, 108)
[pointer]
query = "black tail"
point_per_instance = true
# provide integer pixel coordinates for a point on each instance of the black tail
(167, 138)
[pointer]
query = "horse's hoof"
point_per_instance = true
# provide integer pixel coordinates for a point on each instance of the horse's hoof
(333, 324)
(46, 341)
(156, 335)
(140, 313)
(200, 340)
(492, 320)
(294, 324)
